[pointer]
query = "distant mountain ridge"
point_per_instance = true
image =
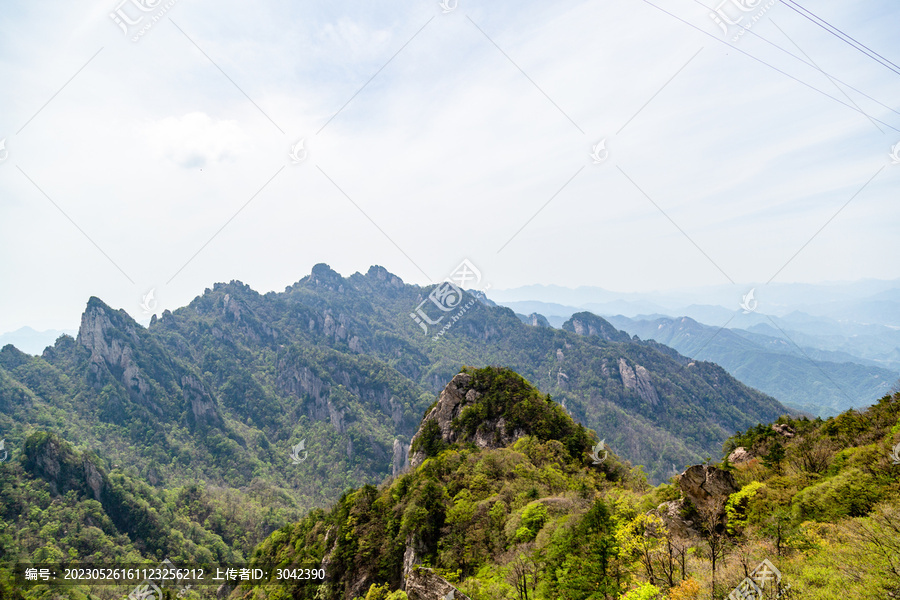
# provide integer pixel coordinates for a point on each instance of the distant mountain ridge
(817, 382)
(28, 340)
(864, 301)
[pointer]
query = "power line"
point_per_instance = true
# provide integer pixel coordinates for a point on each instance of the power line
(800, 81)
(840, 35)
(808, 64)
(845, 36)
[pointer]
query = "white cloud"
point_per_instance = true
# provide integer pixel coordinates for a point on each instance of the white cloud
(450, 149)
(195, 140)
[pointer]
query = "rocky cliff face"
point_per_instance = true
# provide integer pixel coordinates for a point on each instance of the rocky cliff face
(638, 379)
(112, 348)
(399, 459)
(324, 393)
(204, 409)
(124, 352)
(707, 488)
(491, 433)
(303, 383)
(54, 461)
(425, 584)
(672, 514)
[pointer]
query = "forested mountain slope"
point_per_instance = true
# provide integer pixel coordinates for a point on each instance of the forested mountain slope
(509, 500)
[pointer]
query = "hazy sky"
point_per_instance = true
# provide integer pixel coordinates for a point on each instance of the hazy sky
(431, 135)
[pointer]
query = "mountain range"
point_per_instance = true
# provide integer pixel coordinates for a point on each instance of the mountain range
(223, 388)
(821, 349)
(819, 382)
(208, 435)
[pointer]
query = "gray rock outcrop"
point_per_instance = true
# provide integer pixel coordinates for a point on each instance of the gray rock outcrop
(739, 455)
(204, 409)
(782, 429)
(491, 433)
(400, 458)
(425, 584)
(672, 515)
(113, 351)
(707, 488)
(638, 379)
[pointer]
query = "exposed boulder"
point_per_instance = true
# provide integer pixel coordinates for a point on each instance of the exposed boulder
(783, 429)
(739, 455)
(707, 488)
(672, 514)
(425, 584)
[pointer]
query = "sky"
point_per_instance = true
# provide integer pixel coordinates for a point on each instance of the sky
(631, 145)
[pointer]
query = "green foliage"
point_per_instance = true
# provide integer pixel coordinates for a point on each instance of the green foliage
(580, 558)
(504, 394)
(533, 518)
(736, 507)
(429, 441)
(850, 494)
(383, 592)
(645, 591)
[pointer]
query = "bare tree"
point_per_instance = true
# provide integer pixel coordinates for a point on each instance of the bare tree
(524, 569)
(712, 521)
(876, 542)
(813, 453)
(673, 559)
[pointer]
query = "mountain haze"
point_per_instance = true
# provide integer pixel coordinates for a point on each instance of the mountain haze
(819, 382)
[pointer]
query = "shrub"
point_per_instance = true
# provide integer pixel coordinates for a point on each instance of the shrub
(646, 591)
(850, 494)
(533, 518)
(430, 441)
(688, 589)
(736, 508)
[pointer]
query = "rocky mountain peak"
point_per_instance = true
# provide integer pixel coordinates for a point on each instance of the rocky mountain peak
(454, 397)
(324, 276)
(97, 321)
(111, 336)
(588, 324)
(382, 275)
(492, 408)
(535, 320)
